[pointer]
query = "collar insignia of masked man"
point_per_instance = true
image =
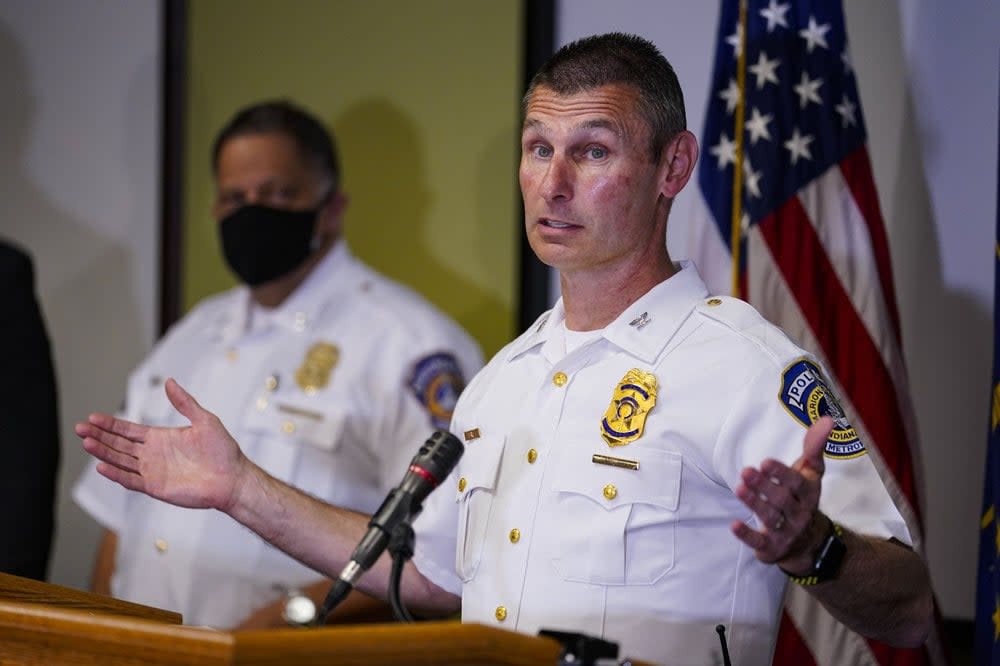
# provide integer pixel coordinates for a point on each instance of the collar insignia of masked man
(314, 373)
(807, 397)
(631, 402)
(436, 381)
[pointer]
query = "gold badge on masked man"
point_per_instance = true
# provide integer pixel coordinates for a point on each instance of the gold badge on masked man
(314, 373)
(631, 402)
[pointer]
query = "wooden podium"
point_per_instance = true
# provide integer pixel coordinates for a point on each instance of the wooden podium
(50, 625)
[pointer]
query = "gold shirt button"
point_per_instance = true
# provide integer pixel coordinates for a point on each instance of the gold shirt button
(515, 535)
(461, 484)
(532, 456)
(559, 379)
(271, 383)
(610, 491)
(715, 301)
(501, 613)
(288, 427)
(161, 545)
(261, 403)
(232, 355)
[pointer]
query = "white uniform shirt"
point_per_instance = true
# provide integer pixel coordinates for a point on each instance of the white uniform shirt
(333, 391)
(547, 538)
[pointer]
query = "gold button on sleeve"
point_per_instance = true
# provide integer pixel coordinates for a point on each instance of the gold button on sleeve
(161, 545)
(610, 491)
(288, 427)
(532, 456)
(461, 484)
(714, 301)
(560, 379)
(515, 535)
(501, 613)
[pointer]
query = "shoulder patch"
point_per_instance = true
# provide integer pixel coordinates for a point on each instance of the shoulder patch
(437, 382)
(806, 396)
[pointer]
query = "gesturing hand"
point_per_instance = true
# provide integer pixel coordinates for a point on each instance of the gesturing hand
(785, 499)
(198, 466)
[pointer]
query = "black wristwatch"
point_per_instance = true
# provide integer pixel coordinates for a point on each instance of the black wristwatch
(826, 560)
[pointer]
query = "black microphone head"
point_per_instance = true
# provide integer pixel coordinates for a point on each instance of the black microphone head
(438, 455)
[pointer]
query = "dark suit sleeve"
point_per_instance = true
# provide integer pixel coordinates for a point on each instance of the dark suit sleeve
(29, 423)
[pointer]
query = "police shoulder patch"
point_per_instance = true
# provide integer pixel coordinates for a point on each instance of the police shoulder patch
(807, 397)
(436, 381)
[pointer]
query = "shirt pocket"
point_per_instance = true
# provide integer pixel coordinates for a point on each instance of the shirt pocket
(476, 489)
(619, 523)
(298, 441)
(296, 422)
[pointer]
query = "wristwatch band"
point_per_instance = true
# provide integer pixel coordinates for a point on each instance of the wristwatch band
(827, 559)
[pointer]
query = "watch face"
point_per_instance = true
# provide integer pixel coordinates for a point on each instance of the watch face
(299, 610)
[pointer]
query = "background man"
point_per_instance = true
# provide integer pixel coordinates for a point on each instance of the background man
(329, 373)
(635, 463)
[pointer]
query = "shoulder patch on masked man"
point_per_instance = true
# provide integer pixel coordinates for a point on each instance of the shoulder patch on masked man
(807, 397)
(437, 382)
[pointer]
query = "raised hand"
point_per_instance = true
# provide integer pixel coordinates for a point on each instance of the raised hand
(786, 499)
(199, 466)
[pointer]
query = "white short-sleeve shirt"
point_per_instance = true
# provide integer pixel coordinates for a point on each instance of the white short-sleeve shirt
(635, 545)
(334, 391)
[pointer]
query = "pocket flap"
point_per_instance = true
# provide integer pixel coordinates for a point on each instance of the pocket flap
(657, 481)
(479, 466)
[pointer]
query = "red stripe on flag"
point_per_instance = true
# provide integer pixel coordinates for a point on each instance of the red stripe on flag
(791, 650)
(853, 357)
(857, 170)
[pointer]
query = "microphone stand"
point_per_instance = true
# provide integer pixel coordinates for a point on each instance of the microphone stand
(401, 548)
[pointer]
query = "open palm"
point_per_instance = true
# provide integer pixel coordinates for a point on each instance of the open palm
(198, 466)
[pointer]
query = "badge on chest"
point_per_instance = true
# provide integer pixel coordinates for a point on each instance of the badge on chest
(631, 402)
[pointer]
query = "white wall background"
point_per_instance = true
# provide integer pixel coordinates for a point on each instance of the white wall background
(928, 78)
(79, 174)
(79, 165)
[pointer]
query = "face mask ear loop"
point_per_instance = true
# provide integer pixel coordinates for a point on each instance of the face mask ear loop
(315, 243)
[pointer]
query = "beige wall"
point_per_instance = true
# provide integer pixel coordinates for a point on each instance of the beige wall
(423, 100)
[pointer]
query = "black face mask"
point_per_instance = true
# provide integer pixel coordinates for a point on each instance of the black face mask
(262, 244)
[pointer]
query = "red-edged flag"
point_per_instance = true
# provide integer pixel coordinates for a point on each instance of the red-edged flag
(805, 244)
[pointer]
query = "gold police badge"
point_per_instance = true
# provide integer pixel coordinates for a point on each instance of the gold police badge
(314, 373)
(625, 417)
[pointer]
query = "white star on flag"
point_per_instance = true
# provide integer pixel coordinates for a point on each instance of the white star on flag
(814, 34)
(764, 70)
(757, 126)
(775, 14)
(731, 95)
(736, 41)
(846, 110)
(808, 90)
(724, 151)
(798, 146)
(752, 179)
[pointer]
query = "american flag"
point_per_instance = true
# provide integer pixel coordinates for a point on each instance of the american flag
(806, 245)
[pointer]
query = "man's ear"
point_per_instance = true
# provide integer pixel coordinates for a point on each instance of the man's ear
(678, 159)
(329, 221)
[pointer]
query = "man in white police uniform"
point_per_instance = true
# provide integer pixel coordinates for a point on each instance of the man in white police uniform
(641, 464)
(327, 372)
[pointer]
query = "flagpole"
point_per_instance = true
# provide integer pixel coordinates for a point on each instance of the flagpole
(736, 235)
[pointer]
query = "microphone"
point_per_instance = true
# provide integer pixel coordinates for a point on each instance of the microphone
(429, 467)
